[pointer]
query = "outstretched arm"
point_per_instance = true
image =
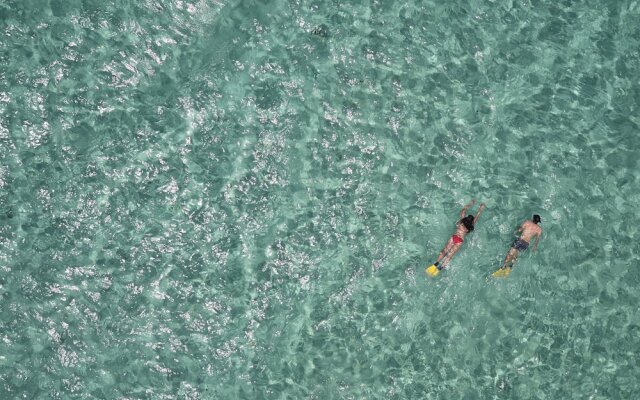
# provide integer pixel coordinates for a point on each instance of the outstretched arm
(478, 214)
(467, 207)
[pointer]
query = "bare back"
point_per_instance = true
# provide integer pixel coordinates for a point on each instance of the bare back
(461, 231)
(529, 231)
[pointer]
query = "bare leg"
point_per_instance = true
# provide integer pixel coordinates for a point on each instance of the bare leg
(511, 257)
(444, 251)
(453, 251)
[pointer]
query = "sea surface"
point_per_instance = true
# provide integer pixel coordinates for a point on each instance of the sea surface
(212, 199)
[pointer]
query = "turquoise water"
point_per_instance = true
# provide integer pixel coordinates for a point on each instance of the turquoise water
(237, 199)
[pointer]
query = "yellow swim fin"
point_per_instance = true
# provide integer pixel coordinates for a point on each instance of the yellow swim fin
(502, 273)
(432, 270)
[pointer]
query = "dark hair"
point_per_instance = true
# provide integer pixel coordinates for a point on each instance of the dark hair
(468, 222)
(536, 218)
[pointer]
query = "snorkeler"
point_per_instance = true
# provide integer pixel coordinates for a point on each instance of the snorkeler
(529, 229)
(463, 226)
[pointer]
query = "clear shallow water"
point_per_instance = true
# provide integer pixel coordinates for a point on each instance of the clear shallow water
(238, 199)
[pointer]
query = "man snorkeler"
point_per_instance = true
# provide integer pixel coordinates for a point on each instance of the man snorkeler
(529, 230)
